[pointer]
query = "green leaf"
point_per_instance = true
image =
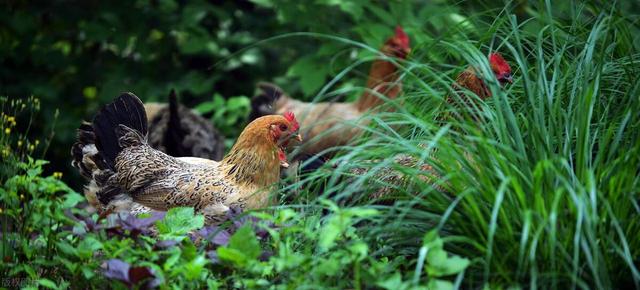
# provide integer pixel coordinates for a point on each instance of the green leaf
(360, 250)
(72, 199)
(67, 249)
(245, 241)
(193, 269)
(212, 284)
(172, 260)
(232, 255)
(332, 230)
(178, 222)
(205, 107)
(392, 283)
(437, 284)
(47, 283)
(263, 3)
(436, 256)
(87, 247)
(87, 272)
(454, 265)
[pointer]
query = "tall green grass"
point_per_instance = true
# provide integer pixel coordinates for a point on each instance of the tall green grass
(545, 191)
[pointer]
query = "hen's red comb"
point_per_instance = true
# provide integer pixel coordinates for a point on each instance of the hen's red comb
(402, 36)
(292, 120)
(496, 60)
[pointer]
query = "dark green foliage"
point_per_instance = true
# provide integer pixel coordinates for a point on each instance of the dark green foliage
(543, 193)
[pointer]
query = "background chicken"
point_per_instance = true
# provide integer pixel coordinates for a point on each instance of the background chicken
(469, 80)
(466, 81)
(325, 118)
(126, 174)
(179, 131)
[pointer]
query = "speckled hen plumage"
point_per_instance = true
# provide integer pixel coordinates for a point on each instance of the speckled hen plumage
(127, 174)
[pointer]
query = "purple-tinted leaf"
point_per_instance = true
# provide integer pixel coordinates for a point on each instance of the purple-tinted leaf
(79, 231)
(165, 244)
(213, 257)
(215, 235)
(265, 256)
(133, 223)
(69, 214)
(138, 274)
(117, 269)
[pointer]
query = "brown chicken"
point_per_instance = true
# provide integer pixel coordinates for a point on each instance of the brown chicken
(323, 122)
(180, 132)
(468, 80)
(126, 174)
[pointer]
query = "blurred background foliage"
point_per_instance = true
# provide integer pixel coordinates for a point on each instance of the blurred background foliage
(76, 55)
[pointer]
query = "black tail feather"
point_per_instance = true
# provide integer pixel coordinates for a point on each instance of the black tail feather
(126, 110)
(175, 134)
(262, 103)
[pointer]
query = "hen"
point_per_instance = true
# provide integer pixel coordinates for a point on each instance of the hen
(178, 131)
(324, 120)
(468, 80)
(126, 174)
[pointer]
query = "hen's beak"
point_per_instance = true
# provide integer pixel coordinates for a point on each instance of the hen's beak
(506, 78)
(509, 79)
(298, 137)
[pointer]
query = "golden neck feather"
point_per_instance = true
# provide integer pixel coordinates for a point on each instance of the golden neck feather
(253, 159)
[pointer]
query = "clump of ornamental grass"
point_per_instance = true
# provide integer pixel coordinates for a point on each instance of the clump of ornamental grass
(542, 189)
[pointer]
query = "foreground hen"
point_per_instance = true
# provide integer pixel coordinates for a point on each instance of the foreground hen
(323, 122)
(126, 174)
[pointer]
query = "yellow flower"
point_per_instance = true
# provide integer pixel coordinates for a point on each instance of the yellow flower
(5, 152)
(21, 196)
(0, 210)
(7, 130)
(31, 147)
(19, 143)
(57, 174)
(37, 142)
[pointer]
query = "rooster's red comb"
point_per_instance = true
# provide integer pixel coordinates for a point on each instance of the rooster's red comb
(496, 60)
(402, 36)
(292, 120)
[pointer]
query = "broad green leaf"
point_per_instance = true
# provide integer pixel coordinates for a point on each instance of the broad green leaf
(193, 269)
(245, 241)
(437, 284)
(178, 222)
(232, 255)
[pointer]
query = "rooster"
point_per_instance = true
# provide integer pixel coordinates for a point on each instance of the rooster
(178, 131)
(320, 118)
(126, 174)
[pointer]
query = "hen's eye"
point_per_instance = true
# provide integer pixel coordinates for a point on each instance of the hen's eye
(283, 127)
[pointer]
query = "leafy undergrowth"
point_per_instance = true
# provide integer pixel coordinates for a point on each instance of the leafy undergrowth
(50, 240)
(538, 189)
